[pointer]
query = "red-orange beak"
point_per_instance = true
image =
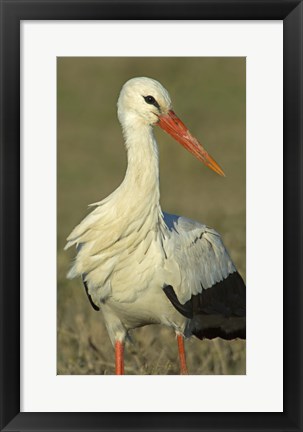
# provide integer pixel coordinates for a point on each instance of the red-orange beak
(171, 124)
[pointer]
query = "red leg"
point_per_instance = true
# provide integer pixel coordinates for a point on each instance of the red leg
(119, 358)
(182, 357)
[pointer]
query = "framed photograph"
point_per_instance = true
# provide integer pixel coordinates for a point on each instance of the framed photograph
(233, 73)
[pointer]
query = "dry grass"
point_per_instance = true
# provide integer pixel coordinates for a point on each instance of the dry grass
(209, 95)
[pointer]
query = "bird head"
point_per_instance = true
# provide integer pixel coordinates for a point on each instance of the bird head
(145, 101)
(143, 98)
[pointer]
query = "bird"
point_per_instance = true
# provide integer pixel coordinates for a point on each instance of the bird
(140, 265)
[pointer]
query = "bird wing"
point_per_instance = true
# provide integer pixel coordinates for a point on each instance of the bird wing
(204, 284)
(196, 255)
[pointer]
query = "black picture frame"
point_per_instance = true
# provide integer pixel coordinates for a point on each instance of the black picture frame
(12, 12)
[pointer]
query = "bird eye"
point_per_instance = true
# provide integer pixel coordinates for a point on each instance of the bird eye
(151, 101)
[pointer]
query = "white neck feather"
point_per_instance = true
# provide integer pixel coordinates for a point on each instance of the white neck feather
(142, 175)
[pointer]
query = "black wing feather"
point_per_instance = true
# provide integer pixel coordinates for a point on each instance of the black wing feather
(88, 295)
(219, 311)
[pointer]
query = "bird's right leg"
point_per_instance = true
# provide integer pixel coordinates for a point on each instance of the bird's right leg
(119, 356)
(117, 334)
(182, 357)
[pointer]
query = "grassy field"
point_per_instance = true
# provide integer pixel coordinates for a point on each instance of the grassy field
(209, 96)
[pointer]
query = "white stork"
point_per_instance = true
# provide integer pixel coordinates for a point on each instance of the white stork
(142, 266)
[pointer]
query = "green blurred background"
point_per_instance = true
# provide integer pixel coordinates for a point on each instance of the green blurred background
(208, 94)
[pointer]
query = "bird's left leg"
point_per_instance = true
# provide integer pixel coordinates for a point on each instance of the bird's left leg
(182, 357)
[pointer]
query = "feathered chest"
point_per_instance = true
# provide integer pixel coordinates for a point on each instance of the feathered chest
(119, 258)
